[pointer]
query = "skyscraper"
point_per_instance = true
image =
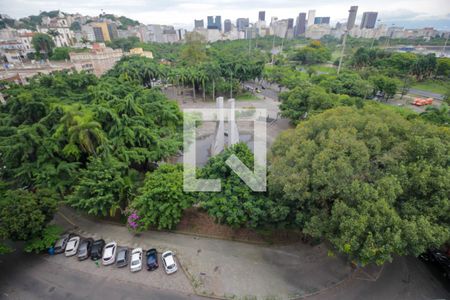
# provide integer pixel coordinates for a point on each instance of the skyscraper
(215, 23)
(300, 26)
(311, 17)
(369, 19)
(199, 23)
(351, 17)
(290, 23)
(210, 23)
(242, 23)
(321, 20)
(262, 16)
(227, 25)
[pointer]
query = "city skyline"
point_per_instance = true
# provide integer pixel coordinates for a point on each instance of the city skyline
(182, 14)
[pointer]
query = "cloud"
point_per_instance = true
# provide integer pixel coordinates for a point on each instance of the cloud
(185, 11)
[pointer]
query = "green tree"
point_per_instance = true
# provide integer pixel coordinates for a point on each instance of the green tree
(301, 101)
(312, 54)
(368, 180)
(438, 115)
(384, 85)
(43, 44)
(61, 53)
(161, 201)
(236, 204)
(24, 214)
(104, 187)
(424, 67)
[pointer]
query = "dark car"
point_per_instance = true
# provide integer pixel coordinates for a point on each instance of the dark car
(152, 259)
(439, 259)
(60, 245)
(122, 257)
(97, 249)
(84, 250)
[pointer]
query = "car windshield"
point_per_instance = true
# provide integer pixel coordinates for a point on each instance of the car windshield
(170, 267)
(121, 255)
(135, 262)
(71, 245)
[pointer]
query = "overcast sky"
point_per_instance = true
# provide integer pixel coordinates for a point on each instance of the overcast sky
(181, 13)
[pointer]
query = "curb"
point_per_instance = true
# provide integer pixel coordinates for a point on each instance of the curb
(200, 235)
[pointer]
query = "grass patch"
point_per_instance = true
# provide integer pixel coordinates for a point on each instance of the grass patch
(433, 86)
(325, 69)
(247, 97)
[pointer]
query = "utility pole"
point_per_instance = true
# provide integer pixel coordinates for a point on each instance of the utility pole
(344, 41)
(445, 45)
(249, 41)
(273, 48)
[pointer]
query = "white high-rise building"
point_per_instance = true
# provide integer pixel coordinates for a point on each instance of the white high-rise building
(311, 16)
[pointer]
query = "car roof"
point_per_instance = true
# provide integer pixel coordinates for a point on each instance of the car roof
(121, 253)
(109, 250)
(169, 260)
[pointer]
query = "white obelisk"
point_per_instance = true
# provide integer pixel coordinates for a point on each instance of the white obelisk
(233, 133)
(218, 143)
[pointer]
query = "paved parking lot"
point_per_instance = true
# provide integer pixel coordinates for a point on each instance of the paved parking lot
(226, 268)
(157, 278)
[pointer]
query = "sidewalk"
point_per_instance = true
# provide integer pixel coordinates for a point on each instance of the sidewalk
(229, 269)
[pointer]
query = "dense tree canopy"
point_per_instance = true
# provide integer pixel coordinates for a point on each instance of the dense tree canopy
(236, 204)
(371, 182)
(312, 54)
(62, 124)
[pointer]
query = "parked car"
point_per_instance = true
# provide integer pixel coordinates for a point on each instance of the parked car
(60, 245)
(84, 250)
(97, 249)
(122, 257)
(136, 260)
(72, 246)
(439, 259)
(169, 262)
(109, 253)
(152, 259)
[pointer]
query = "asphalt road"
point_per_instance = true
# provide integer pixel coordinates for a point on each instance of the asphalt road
(404, 278)
(426, 94)
(29, 277)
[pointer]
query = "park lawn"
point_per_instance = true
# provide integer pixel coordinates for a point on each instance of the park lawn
(335, 54)
(247, 97)
(325, 69)
(433, 86)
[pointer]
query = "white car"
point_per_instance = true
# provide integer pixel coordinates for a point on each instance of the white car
(136, 260)
(169, 262)
(72, 246)
(109, 253)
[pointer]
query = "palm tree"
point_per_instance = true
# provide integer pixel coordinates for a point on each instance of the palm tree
(193, 74)
(201, 76)
(212, 71)
(88, 136)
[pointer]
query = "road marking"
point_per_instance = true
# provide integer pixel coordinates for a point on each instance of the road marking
(67, 219)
